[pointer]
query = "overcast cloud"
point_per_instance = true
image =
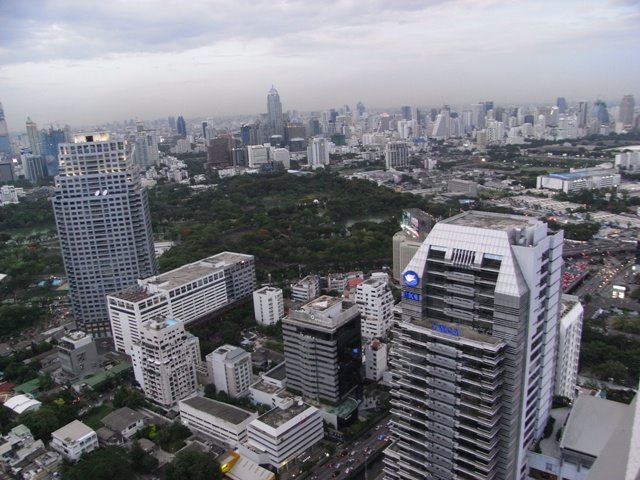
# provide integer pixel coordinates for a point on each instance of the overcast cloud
(85, 61)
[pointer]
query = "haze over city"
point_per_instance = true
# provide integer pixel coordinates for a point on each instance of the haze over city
(91, 62)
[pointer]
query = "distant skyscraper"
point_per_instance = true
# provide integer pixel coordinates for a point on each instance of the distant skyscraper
(360, 109)
(600, 112)
(146, 153)
(104, 226)
(172, 123)
(406, 112)
(181, 126)
(583, 114)
(5, 142)
(627, 106)
(474, 355)
(33, 135)
(274, 110)
(318, 152)
(561, 103)
(50, 142)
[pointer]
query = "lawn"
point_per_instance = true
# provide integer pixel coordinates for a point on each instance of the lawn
(93, 417)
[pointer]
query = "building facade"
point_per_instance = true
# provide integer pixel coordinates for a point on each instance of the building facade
(570, 333)
(318, 152)
(229, 369)
(104, 226)
(164, 361)
(375, 364)
(396, 154)
(186, 294)
(306, 289)
(78, 354)
(74, 440)
(322, 349)
(375, 302)
(268, 305)
(473, 358)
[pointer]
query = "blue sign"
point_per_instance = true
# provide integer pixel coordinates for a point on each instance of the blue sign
(444, 329)
(411, 278)
(411, 296)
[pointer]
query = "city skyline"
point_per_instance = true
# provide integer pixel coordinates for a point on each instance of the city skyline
(149, 60)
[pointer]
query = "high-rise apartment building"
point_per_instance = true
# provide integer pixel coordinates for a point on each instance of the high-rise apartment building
(322, 349)
(146, 153)
(570, 333)
(318, 152)
(104, 226)
(268, 305)
(627, 110)
(396, 154)
(274, 111)
(375, 302)
(229, 369)
(415, 225)
(474, 355)
(5, 141)
(164, 361)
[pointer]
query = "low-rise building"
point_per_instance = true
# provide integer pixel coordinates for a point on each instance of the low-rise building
(375, 363)
(22, 403)
(306, 289)
(219, 421)
(580, 179)
(73, 440)
(281, 434)
(78, 355)
(125, 422)
(268, 305)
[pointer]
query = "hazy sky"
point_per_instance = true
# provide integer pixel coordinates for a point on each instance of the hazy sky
(87, 61)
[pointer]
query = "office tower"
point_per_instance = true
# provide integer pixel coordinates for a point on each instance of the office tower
(78, 355)
(405, 111)
(570, 331)
(5, 141)
(360, 108)
(172, 123)
(252, 134)
(268, 305)
(583, 114)
(164, 361)
(50, 143)
(187, 294)
(322, 349)
(274, 110)
(219, 152)
(33, 135)
(104, 226)
(181, 126)
(495, 131)
(396, 154)
(474, 355)
(257, 155)
(34, 167)
(627, 107)
(441, 126)
(415, 225)
(6, 172)
(229, 369)
(375, 301)
(318, 152)
(600, 112)
(561, 103)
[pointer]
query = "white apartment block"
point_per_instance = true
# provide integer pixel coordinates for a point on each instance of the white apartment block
(9, 194)
(571, 316)
(337, 281)
(396, 154)
(220, 421)
(257, 155)
(73, 440)
(630, 161)
(184, 294)
(375, 363)
(281, 434)
(229, 368)
(318, 152)
(306, 289)
(268, 305)
(164, 361)
(375, 302)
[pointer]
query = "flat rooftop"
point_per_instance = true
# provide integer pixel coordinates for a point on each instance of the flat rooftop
(214, 408)
(276, 418)
(132, 294)
(591, 423)
(73, 431)
(492, 221)
(279, 372)
(322, 303)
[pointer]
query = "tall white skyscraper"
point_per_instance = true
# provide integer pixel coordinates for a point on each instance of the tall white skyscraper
(375, 302)
(164, 361)
(34, 137)
(104, 226)
(474, 356)
(274, 111)
(318, 152)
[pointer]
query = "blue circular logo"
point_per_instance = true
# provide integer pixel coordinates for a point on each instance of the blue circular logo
(411, 278)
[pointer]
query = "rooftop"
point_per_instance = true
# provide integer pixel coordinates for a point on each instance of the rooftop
(591, 422)
(122, 418)
(278, 372)
(225, 411)
(322, 303)
(73, 431)
(491, 221)
(133, 294)
(276, 417)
